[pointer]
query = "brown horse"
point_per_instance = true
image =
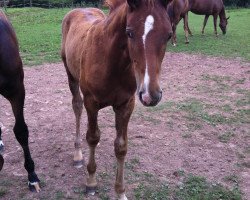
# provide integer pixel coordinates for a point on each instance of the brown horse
(108, 57)
(12, 88)
(178, 9)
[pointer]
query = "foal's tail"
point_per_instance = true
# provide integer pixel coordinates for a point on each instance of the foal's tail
(65, 30)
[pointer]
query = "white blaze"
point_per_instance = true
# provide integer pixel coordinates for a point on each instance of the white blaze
(148, 26)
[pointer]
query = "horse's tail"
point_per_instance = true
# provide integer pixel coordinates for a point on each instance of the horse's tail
(170, 12)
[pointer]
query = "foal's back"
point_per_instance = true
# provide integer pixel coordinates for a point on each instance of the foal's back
(75, 30)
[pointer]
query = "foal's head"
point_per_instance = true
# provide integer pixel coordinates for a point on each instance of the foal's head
(223, 25)
(148, 30)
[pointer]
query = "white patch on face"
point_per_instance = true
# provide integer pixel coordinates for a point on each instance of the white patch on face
(148, 26)
(1, 143)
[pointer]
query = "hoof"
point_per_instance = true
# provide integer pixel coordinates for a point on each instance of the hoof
(1, 162)
(187, 42)
(34, 182)
(78, 164)
(91, 190)
(122, 197)
(34, 187)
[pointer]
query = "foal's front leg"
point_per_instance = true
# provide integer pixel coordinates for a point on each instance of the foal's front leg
(92, 137)
(122, 116)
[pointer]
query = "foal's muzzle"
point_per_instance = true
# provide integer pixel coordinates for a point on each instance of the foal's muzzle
(150, 99)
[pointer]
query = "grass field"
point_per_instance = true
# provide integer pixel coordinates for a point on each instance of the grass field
(39, 34)
(233, 44)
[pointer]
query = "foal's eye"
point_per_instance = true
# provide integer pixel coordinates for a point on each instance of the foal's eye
(130, 33)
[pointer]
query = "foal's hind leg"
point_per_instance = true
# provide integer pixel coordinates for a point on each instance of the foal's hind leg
(77, 104)
(22, 134)
(122, 116)
(93, 137)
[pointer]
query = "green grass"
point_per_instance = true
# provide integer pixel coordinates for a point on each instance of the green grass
(198, 188)
(191, 188)
(233, 44)
(39, 35)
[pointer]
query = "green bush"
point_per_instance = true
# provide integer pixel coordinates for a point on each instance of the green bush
(237, 3)
(52, 3)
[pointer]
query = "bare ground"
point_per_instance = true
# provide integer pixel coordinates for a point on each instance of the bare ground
(201, 126)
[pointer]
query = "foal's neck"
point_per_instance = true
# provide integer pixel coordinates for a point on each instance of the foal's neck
(116, 29)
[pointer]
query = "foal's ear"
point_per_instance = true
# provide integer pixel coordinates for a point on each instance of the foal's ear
(228, 18)
(165, 2)
(133, 4)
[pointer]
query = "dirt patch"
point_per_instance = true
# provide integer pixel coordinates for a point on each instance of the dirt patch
(201, 126)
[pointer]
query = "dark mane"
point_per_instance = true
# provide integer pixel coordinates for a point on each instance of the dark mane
(114, 4)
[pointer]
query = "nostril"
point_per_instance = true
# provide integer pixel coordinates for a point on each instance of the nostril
(160, 95)
(140, 95)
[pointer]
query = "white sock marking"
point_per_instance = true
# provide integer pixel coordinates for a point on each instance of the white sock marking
(1, 143)
(148, 26)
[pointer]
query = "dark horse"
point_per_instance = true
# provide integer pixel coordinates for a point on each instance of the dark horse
(12, 88)
(178, 9)
(108, 57)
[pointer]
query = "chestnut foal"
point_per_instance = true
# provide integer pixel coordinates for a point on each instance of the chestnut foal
(109, 57)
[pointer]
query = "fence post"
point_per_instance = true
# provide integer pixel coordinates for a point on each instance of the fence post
(4, 5)
(30, 3)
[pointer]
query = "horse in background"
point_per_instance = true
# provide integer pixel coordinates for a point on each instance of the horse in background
(179, 9)
(108, 58)
(12, 88)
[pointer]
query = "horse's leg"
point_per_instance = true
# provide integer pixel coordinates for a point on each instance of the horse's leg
(189, 31)
(22, 134)
(92, 137)
(204, 23)
(1, 162)
(185, 19)
(1, 142)
(77, 104)
(1, 149)
(122, 116)
(215, 24)
(173, 39)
